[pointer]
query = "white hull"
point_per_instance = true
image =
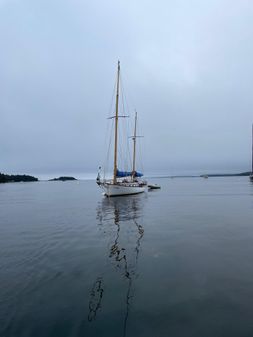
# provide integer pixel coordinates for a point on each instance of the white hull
(116, 190)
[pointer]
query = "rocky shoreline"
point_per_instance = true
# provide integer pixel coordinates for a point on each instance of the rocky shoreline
(14, 178)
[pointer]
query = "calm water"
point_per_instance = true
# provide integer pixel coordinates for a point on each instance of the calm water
(175, 262)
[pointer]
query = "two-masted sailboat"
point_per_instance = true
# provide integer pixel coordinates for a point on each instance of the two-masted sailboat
(123, 182)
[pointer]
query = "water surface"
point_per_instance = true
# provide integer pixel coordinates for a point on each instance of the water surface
(175, 262)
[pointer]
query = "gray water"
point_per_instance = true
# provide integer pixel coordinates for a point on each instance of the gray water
(175, 262)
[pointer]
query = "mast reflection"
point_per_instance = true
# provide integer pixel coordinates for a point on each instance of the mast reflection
(124, 245)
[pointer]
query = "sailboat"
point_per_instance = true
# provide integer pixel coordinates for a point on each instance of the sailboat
(251, 175)
(123, 182)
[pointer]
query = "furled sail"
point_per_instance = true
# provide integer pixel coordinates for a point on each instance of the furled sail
(121, 174)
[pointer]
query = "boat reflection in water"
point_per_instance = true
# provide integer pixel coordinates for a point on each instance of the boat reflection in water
(120, 220)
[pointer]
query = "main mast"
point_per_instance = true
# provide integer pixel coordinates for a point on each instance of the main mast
(116, 128)
(252, 151)
(134, 140)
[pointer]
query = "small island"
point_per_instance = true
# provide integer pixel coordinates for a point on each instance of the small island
(14, 178)
(62, 179)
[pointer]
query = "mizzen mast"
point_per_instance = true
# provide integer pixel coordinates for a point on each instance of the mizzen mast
(116, 128)
(134, 140)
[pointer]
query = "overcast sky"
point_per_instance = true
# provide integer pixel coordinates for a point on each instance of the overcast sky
(187, 67)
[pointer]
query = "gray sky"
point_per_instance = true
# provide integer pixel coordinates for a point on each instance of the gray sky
(187, 68)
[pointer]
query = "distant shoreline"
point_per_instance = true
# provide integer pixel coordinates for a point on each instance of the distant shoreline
(12, 178)
(17, 178)
(211, 175)
(242, 174)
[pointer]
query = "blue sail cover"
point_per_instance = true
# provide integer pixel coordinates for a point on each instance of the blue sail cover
(122, 174)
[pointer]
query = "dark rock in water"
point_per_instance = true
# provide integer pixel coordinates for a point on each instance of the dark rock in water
(10, 178)
(62, 179)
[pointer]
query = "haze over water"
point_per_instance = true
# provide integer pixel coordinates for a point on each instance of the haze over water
(175, 262)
